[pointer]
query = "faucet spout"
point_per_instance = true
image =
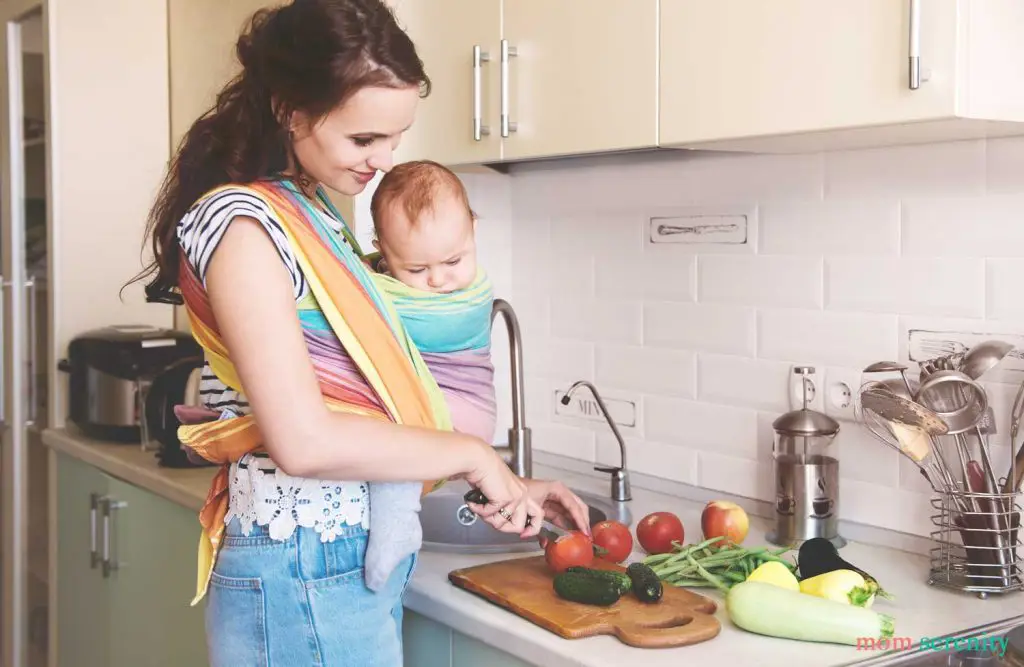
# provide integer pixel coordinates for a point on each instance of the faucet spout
(620, 475)
(520, 449)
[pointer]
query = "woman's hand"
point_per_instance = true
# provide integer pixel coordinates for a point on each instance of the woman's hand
(510, 506)
(561, 506)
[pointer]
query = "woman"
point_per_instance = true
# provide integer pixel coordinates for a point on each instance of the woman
(243, 230)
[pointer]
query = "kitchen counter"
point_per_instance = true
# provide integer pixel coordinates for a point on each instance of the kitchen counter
(920, 610)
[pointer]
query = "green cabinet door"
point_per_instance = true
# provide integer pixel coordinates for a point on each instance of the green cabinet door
(153, 581)
(83, 595)
(427, 643)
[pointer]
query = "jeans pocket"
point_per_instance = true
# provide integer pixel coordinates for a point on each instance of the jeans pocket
(236, 622)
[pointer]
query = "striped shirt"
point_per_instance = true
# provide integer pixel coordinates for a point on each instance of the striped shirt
(199, 234)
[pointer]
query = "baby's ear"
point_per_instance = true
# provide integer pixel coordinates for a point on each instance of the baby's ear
(376, 245)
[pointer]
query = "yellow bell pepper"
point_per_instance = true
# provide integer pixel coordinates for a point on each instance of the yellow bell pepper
(775, 573)
(844, 586)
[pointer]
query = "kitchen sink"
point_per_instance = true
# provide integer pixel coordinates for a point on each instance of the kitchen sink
(450, 526)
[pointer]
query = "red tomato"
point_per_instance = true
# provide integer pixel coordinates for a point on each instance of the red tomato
(572, 549)
(614, 537)
(657, 531)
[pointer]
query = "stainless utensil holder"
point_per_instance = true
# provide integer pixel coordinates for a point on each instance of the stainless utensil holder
(977, 550)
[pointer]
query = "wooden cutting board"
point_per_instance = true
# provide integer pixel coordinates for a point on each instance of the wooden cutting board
(524, 587)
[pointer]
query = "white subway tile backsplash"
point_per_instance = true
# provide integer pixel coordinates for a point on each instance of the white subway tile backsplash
(672, 462)
(1006, 288)
(964, 226)
(766, 281)
(863, 458)
(886, 507)
(567, 359)
(1005, 164)
(568, 441)
(911, 478)
(930, 169)
(647, 369)
(596, 320)
(649, 275)
(704, 426)
(728, 474)
(597, 235)
(845, 254)
(851, 340)
(742, 381)
(831, 227)
(737, 177)
(723, 329)
(948, 287)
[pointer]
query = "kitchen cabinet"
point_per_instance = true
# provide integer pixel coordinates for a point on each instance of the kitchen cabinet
(427, 643)
(797, 75)
(574, 77)
(458, 42)
(125, 574)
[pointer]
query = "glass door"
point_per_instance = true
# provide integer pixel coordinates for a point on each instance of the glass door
(23, 251)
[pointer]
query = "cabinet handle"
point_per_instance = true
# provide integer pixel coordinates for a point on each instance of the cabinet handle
(915, 44)
(479, 57)
(507, 52)
(33, 397)
(110, 562)
(94, 555)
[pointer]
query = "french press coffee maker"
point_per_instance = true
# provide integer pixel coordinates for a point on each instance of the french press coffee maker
(806, 478)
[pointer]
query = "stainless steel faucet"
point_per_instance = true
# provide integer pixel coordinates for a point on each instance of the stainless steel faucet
(620, 475)
(519, 452)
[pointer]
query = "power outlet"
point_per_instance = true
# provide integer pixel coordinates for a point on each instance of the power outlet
(841, 388)
(815, 397)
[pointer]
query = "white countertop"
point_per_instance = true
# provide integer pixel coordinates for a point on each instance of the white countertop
(920, 610)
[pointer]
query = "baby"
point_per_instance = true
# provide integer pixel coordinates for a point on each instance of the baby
(425, 235)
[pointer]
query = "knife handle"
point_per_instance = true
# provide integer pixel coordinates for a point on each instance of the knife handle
(476, 496)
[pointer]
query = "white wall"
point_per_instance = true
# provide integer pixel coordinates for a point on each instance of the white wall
(847, 252)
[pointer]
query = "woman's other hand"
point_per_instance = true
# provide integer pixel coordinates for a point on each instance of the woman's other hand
(510, 505)
(561, 506)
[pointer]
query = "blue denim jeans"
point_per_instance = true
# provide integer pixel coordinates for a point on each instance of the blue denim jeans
(301, 603)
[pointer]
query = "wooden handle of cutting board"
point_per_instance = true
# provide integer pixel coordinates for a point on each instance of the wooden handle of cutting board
(685, 629)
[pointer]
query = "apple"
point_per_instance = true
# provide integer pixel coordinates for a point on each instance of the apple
(722, 518)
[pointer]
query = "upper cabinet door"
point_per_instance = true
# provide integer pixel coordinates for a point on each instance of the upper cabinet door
(733, 69)
(458, 41)
(584, 77)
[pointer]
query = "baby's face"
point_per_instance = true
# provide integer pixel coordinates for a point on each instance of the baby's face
(438, 253)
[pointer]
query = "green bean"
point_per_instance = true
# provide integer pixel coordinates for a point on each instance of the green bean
(691, 583)
(710, 577)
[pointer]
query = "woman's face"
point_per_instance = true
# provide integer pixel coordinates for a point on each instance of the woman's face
(347, 148)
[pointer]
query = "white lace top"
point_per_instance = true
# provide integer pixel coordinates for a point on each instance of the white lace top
(259, 493)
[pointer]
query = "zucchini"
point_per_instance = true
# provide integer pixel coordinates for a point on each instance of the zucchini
(819, 556)
(582, 588)
(646, 585)
(620, 579)
(769, 610)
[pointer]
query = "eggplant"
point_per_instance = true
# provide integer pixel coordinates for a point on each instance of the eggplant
(819, 556)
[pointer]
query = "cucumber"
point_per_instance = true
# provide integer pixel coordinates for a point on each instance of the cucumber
(620, 579)
(646, 585)
(765, 609)
(585, 589)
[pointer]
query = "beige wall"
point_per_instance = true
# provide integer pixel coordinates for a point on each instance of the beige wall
(108, 131)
